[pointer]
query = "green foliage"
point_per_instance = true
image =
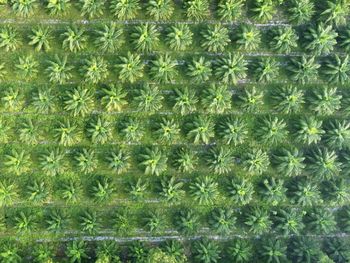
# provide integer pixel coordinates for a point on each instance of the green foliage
(200, 70)
(154, 161)
(9, 39)
(215, 38)
(230, 69)
(241, 191)
(124, 9)
(130, 68)
(160, 9)
(179, 37)
(233, 130)
(216, 99)
(196, 9)
(74, 39)
(109, 37)
(248, 37)
(256, 161)
(206, 251)
(320, 39)
(201, 129)
(145, 37)
(204, 190)
(40, 38)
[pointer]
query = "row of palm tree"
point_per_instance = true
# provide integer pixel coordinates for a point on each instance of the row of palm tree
(146, 37)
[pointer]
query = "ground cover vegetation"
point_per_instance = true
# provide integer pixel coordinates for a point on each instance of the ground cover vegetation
(174, 131)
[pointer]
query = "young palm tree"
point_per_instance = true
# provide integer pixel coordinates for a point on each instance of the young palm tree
(303, 69)
(86, 161)
(123, 221)
(196, 9)
(337, 249)
(94, 70)
(125, 9)
(187, 221)
(149, 99)
(154, 161)
(325, 101)
(118, 161)
(215, 38)
(25, 222)
(266, 69)
(336, 191)
(40, 38)
(58, 70)
(304, 249)
(289, 162)
(251, 100)
(171, 189)
(79, 101)
(335, 11)
(76, 251)
(27, 67)
(344, 38)
(206, 251)
(248, 37)
(8, 193)
(17, 162)
(258, 221)
(91, 8)
(176, 249)
(179, 37)
(43, 253)
(99, 130)
(337, 134)
(232, 130)
(230, 9)
(216, 98)
(131, 130)
(52, 162)
(74, 39)
(337, 70)
(154, 222)
(232, 68)
(201, 129)
(160, 9)
(24, 7)
(185, 101)
(185, 160)
(163, 69)
(167, 130)
(66, 132)
(138, 252)
(107, 251)
(109, 37)
(240, 251)
(57, 7)
(273, 191)
(284, 39)
(29, 132)
(138, 189)
(272, 250)
(263, 10)
(145, 37)
(199, 70)
(304, 192)
(71, 191)
(301, 11)
(220, 160)
(38, 192)
(89, 222)
(287, 99)
(130, 68)
(9, 38)
(320, 39)
(289, 222)
(309, 130)
(271, 130)
(256, 161)
(324, 164)
(320, 221)
(114, 98)
(222, 220)
(12, 99)
(204, 190)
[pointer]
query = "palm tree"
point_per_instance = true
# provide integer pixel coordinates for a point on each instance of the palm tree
(185, 101)
(79, 101)
(201, 129)
(118, 161)
(71, 191)
(86, 161)
(337, 134)
(344, 218)
(304, 192)
(271, 130)
(335, 11)
(336, 191)
(131, 129)
(27, 67)
(8, 193)
(230, 9)
(266, 69)
(220, 160)
(44, 253)
(107, 251)
(185, 160)
(325, 101)
(216, 98)
(251, 99)
(57, 7)
(154, 222)
(74, 39)
(232, 130)
(256, 161)
(171, 189)
(56, 221)
(248, 37)
(289, 221)
(24, 7)
(38, 191)
(196, 9)
(206, 251)
(337, 70)
(94, 70)
(114, 98)
(273, 191)
(204, 190)
(76, 251)
(199, 70)
(52, 162)
(4, 131)
(123, 221)
(258, 221)
(66, 132)
(289, 162)
(336, 248)
(167, 130)
(12, 99)
(309, 130)
(9, 38)
(273, 250)
(232, 68)
(138, 189)
(160, 9)
(222, 220)
(29, 132)
(320, 221)
(154, 161)
(58, 70)
(215, 38)
(40, 38)
(187, 221)
(287, 99)
(240, 251)
(176, 249)
(303, 69)
(323, 163)
(17, 162)
(179, 37)
(304, 249)
(284, 39)
(344, 39)
(99, 130)
(163, 69)
(263, 10)
(109, 37)
(25, 222)
(301, 11)
(89, 221)
(125, 9)
(149, 99)
(130, 68)
(91, 8)
(138, 252)
(145, 37)
(320, 39)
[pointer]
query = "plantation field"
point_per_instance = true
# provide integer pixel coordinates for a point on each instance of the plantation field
(174, 131)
